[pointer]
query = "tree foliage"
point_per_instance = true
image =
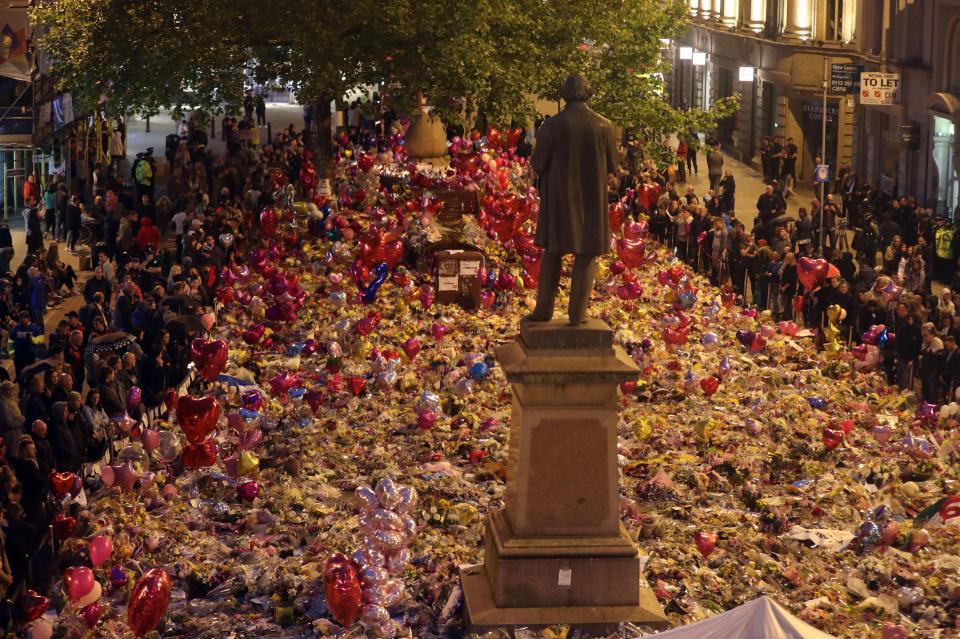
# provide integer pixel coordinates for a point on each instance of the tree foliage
(485, 56)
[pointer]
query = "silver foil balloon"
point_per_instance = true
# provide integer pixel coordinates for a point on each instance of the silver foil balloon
(408, 499)
(387, 520)
(366, 498)
(387, 493)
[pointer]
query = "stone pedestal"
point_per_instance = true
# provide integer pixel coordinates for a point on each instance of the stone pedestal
(557, 552)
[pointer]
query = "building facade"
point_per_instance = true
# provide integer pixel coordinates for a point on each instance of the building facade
(779, 54)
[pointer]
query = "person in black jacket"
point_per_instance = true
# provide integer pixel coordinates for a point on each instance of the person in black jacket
(930, 363)
(950, 370)
(45, 456)
(33, 477)
(36, 404)
(908, 345)
(67, 437)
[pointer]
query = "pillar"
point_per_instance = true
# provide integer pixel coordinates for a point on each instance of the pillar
(705, 7)
(694, 8)
(557, 552)
(799, 21)
(716, 9)
(730, 13)
(754, 15)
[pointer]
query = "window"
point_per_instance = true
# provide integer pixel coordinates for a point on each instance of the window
(834, 15)
(776, 13)
(839, 20)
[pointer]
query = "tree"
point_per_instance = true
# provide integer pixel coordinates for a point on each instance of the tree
(618, 45)
(489, 57)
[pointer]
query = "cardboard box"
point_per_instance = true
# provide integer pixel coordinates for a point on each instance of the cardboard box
(457, 277)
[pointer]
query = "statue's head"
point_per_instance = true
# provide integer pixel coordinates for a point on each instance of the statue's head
(576, 89)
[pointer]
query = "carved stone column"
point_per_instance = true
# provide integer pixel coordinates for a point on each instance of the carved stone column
(799, 23)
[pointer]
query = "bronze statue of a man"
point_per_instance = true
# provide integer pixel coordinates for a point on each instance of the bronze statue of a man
(575, 152)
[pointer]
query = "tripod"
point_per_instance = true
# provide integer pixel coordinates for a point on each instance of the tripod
(843, 244)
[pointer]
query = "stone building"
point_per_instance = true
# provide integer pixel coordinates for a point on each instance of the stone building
(778, 53)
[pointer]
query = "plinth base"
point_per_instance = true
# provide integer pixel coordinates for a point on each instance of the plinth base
(559, 571)
(481, 614)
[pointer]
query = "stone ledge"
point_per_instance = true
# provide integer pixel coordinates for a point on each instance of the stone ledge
(593, 334)
(483, 615)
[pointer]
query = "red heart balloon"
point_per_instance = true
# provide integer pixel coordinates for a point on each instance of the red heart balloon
(64, 526)
(411, 347)
(268, 221)
(148, 601)
(709, 385)
(210, 356)
(62, 483)
(91, 614)
(199, 455)
(631, 252)
(357, 384)
(615, 213)
(341, 584)
(253, 334)
(647, 195)
(367, 324)
(281, 383)
(170, 398)
(675, 337)
(33, 605)
(375, 247)
(812, 272)
(831, 438)
(315, 398)
(439, 330)
(706, 541)
(198, 416)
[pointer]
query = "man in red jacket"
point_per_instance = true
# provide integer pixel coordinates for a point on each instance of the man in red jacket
(149, 235)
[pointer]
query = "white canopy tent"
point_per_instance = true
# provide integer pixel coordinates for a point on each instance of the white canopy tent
(761, 618)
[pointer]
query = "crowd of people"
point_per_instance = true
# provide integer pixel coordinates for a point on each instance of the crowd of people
(893, 261)
(156, 266)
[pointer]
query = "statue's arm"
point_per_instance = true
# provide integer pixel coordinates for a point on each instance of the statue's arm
(540, 160)
(612, 161)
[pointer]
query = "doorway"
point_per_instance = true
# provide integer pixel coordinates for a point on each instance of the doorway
(945, 160)
(726, 126)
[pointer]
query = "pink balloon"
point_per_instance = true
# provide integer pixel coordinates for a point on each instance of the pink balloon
(40, 629)
(101, 548)
(134, 395)
(150, 439)
(78, 581)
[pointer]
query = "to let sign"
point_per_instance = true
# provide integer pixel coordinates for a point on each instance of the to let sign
(879, 88)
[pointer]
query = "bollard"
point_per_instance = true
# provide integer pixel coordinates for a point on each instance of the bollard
(148, 124)
(269, 133)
